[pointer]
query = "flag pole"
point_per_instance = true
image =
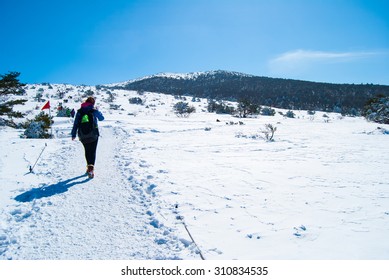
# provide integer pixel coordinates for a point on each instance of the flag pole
(47, 106)
(51, 125)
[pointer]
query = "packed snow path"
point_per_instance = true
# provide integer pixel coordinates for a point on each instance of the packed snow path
(69, 216)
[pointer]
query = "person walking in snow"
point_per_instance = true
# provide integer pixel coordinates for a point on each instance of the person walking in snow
(86, 127)
(73, 113)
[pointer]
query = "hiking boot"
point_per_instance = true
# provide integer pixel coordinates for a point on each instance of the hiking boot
(90, 170)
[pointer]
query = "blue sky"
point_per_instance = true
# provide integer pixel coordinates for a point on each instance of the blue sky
(98, 41)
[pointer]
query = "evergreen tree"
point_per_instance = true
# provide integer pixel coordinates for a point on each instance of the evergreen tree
(247, 107)
(377, 109)
(219, 107)
(10, 85)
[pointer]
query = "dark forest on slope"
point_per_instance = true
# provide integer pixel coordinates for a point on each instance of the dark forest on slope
(275, 92)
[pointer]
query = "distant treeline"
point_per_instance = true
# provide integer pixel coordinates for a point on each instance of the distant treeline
(282, 93)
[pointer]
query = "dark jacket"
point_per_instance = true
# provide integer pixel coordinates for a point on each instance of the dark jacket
(86, 107)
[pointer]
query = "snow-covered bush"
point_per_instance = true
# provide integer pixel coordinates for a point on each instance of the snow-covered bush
(114, 106)
(111, 97)
(87, 93)
(220, 107)
(290, 114)
(182, 109)
(35, 130)
(6, 122)
(136, 100)
(378, 131)
(267, 111)
(311, 112)
(377, 110)
(39, 127)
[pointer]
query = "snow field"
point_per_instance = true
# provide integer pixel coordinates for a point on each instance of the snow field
(293, 198)
(319, 191)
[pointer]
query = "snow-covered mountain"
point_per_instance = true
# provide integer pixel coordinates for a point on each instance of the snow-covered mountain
(181, 76)
(318, 191)
(193, 75)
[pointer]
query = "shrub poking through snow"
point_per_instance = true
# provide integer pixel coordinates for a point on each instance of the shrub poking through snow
(136, 100)
(267, 111)
(39, 127)
(268, 132)
(290, 114)
(182, 109)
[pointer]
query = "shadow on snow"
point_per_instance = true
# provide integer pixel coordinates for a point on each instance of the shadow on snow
(50, 190)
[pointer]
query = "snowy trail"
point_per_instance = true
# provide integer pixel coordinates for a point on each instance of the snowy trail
(72, 217)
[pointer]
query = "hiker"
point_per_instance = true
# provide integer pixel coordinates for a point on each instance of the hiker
(85, 126)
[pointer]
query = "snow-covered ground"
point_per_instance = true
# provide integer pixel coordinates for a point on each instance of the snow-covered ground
(319, 191)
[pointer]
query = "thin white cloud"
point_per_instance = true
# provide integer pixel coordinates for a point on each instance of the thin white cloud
(306, 55)
(300, 60)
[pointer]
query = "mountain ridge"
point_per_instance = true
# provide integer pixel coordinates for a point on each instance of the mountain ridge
(275, 92)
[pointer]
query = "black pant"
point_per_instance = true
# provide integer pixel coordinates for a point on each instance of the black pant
(90, 152)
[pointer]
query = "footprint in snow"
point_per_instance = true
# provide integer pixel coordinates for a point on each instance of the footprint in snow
(155, 223)
(161, 241)
(253, 236)
(217, 251)
(20, 215)
(143, 164)
(150, 189)
(299, 231)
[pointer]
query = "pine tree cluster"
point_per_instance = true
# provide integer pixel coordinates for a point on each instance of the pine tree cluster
(377, 110)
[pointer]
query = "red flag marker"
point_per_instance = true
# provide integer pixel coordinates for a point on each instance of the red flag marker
(46, 106)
